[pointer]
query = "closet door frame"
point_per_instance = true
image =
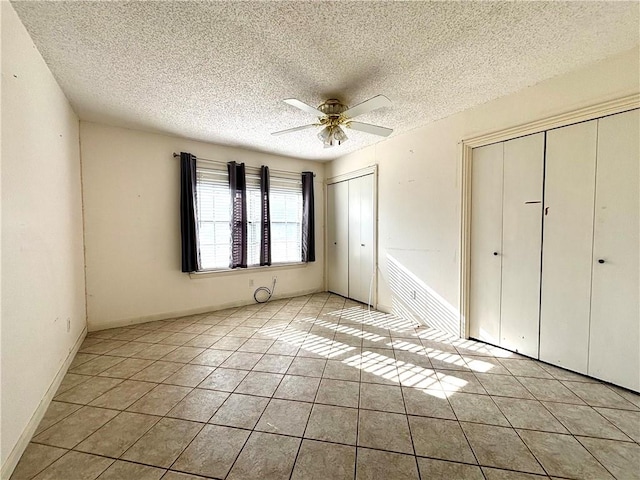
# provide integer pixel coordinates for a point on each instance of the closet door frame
(467, 145)
(370, 170)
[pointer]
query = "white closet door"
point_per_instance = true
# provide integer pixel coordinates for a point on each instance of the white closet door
(521, 244)
(366, 237)
(360, 237)
(367, 220)
(355, 253)
(486, 243)
(567, 245)
(338, 238)
(614, 349)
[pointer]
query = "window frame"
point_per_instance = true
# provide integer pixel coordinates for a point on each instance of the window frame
(253, 184)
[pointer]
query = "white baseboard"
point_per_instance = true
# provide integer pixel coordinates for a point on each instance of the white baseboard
(384, 308)
(102, 325)
(22, 443)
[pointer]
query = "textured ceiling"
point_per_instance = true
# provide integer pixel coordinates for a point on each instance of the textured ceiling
(218, 71)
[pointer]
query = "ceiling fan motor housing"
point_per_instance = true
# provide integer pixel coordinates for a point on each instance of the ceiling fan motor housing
(332, 107)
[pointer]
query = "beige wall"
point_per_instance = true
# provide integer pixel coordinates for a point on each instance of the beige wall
(42, 244)
(132, 229)
(419, 185)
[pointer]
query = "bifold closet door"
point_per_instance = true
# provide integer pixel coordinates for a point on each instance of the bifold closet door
(338, 238)
(361, 229)
(486, 243)
(570, 174)
(522, 244)
(614, 348)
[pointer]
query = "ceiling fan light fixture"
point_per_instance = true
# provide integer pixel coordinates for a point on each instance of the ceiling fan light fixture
(339, 135)
(325, 135)
(332, 135)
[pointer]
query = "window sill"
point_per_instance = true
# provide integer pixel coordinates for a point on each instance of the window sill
(252, 269)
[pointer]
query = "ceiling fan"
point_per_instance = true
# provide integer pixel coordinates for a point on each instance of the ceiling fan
(333, 115)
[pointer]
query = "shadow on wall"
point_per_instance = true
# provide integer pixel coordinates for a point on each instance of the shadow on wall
(412, 298)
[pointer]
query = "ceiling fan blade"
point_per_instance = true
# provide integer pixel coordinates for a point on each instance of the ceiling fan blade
(367, 106)
(303, 106)
(294, 129)
(368, 128)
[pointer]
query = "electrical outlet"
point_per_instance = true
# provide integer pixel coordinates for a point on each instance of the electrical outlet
(251, 282)
(413, 294)
(68, 324)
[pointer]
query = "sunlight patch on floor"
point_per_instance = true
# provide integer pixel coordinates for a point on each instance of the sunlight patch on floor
(447, 357)
(346, 329)
(404, 373)
(308, 341)
(375, 319)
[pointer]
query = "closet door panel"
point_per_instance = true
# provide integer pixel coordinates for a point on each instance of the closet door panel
(486, 243)
(567, 245)
(355, 252)
(338, 238)
(366, 237)
(521, 244)
(614, 349)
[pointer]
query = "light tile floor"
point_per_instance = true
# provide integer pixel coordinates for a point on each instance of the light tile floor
(317, 387)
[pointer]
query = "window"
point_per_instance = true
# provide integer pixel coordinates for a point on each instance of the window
(254, 217)
(286, 221)
(214, 216)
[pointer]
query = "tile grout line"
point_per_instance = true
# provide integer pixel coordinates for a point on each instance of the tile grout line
(457, 420)
(295, 460)
(406, 413)
(156, 383)
(554, 433)
(207, 423)
(241, 319)
(520, 437)
(578, 441)
(474, 422)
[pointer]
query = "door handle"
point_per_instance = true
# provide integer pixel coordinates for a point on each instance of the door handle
(601, 260)
(362, 244)
(495, 253)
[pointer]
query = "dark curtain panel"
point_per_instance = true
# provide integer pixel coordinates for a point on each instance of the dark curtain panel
(238, 187)
(265, 221)
(188, 226)
(308, 221)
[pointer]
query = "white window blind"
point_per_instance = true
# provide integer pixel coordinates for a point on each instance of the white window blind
(286, 220)
(213, 217)
(254, 209)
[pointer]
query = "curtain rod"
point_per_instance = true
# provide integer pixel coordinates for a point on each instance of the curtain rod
(220, 162)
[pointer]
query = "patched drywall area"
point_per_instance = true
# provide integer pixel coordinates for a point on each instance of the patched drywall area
(43, 302)
(132, 229)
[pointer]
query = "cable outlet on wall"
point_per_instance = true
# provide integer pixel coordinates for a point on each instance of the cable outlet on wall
(68, 324)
